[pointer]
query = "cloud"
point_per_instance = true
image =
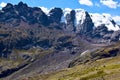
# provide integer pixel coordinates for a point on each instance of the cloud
(3, 4)
(110, 3)
(86, 2)
(97, 4)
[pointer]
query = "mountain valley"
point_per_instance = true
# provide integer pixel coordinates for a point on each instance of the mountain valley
(59, 45)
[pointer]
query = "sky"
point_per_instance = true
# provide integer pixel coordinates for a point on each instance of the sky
(111, 7)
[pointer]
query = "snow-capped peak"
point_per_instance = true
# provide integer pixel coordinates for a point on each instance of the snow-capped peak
(80, 16)
(104, 18)
(97, 18)
(67, 11)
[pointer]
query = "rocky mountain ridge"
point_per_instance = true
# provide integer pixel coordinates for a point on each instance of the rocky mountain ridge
(78, 21)
(20, 19)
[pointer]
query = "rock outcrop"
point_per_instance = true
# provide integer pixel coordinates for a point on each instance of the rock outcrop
(55, 15)
(70, 21)
(86, 25)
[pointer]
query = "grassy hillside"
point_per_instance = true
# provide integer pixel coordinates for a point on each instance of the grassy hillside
(100, 64)
(102, 69)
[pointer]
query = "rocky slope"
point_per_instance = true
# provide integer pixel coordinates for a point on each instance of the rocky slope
(100, 64)
(103, 69)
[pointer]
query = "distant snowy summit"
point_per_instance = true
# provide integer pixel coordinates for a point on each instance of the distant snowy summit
(97, 19)
(106, 19)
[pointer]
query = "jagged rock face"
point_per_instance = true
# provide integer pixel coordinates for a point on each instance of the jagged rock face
(55, 15)
(100, 31)
(86, 25)
(103, 33)
(22, 12)
(37, 16)
(8, 8)
(115, 36)
(8, 13)
(113, 22)
(70, 19)
(22, 9)
(32, 15)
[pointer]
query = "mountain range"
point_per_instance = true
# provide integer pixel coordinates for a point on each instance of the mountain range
(34, 41)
